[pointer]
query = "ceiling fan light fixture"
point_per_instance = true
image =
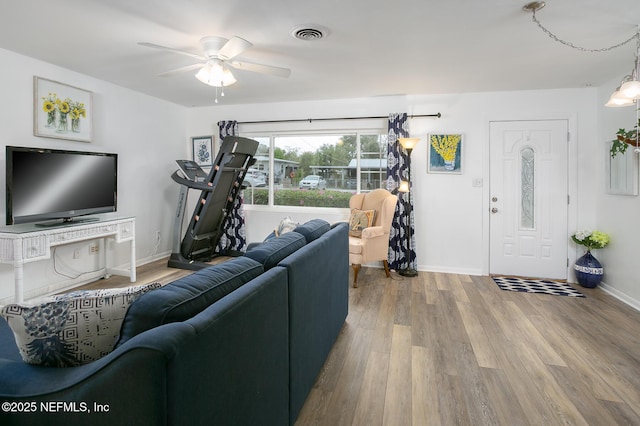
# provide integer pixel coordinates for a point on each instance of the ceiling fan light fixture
(214, 74)
(218, 54)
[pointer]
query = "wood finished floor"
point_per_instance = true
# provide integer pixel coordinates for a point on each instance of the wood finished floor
(446, 349)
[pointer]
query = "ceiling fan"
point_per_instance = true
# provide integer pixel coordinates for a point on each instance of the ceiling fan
(217, 56)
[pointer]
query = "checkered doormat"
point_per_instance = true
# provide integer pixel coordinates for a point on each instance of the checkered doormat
(532, 285)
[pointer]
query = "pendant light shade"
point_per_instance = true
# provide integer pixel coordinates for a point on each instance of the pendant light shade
(214, 74)
(631, 89)
(617, 100)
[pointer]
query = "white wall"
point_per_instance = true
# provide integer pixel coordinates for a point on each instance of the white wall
(147, 133)
(618, 215)
(451, 216)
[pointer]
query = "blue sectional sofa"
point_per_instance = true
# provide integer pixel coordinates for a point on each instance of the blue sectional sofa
(239, 343)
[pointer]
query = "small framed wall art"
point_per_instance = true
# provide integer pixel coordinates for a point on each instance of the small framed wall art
(202, 150)
(445, 153)
(61, 111)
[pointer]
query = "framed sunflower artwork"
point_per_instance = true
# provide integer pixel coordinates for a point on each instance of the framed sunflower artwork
(61, 111)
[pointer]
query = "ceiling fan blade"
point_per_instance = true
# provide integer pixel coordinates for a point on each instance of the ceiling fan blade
(263, 69)
(233, 48)
(180, 70)
(171, 49)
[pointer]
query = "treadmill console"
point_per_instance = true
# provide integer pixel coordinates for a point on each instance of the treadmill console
(191, 170)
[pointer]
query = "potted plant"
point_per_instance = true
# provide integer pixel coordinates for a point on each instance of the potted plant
(587, 268)
(623, 139)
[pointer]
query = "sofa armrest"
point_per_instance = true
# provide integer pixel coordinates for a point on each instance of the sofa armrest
(129, 384)
(318, 305)
(236, 370)
(21, 380)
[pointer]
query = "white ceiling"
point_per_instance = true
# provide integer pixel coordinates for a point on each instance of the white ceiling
(374, 48)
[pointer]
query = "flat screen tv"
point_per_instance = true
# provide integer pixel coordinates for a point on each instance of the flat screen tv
(50, 184)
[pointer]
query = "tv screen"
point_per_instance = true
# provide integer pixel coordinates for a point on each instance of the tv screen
(47, 184)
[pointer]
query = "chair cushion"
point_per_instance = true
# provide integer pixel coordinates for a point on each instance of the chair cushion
(355, 245)
(313, 229)
(187, 296)
(273, 250)
(359, 220)
(71, 329)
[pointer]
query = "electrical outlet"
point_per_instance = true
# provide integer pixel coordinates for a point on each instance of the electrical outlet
(94, 248)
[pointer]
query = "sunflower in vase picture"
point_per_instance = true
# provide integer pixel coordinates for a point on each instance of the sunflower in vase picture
(445, 153)
(49, 107)
(61, 111)
(77, 112)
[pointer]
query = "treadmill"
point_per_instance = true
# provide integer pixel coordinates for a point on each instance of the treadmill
(219, 190)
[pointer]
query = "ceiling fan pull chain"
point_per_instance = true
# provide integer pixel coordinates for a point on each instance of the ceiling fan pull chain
(216, 101)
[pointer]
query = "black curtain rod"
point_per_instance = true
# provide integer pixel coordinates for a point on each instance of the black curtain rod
(310, 120)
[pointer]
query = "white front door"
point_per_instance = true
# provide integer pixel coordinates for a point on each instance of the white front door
(529, 198)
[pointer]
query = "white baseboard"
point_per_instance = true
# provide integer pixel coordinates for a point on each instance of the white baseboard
(449, 270)
(428, 268)
(152, 258)
(124, 269)
(623, 297)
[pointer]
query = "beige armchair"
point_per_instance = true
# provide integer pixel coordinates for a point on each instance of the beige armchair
(373, 243)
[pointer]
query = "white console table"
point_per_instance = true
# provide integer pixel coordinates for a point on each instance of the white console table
(24, 243)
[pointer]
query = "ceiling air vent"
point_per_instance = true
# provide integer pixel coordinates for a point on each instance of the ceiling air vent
(309, 32)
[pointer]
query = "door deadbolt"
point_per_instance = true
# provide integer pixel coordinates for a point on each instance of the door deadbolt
(494, 199)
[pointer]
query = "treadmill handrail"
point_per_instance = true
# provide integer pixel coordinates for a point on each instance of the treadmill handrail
(204, 186)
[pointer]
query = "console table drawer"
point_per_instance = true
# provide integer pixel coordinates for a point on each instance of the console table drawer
(69, 236)
(126, 231)
(25, 249)
(35, 248)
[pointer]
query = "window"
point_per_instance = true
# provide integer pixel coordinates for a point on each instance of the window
(527, 188)
(317, 170)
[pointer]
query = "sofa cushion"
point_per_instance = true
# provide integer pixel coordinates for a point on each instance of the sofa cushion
(71, 329)
(187, 296)
(313, 229)
(273, 250)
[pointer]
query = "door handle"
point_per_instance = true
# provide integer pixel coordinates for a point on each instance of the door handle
(494, 210)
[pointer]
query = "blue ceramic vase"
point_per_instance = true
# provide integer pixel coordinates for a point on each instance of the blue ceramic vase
(588, 271)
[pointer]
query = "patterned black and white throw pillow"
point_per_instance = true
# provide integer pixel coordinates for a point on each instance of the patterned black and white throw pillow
(73, 328)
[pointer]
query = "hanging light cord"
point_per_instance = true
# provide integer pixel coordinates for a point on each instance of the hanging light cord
(573, 46)
(637, 150)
